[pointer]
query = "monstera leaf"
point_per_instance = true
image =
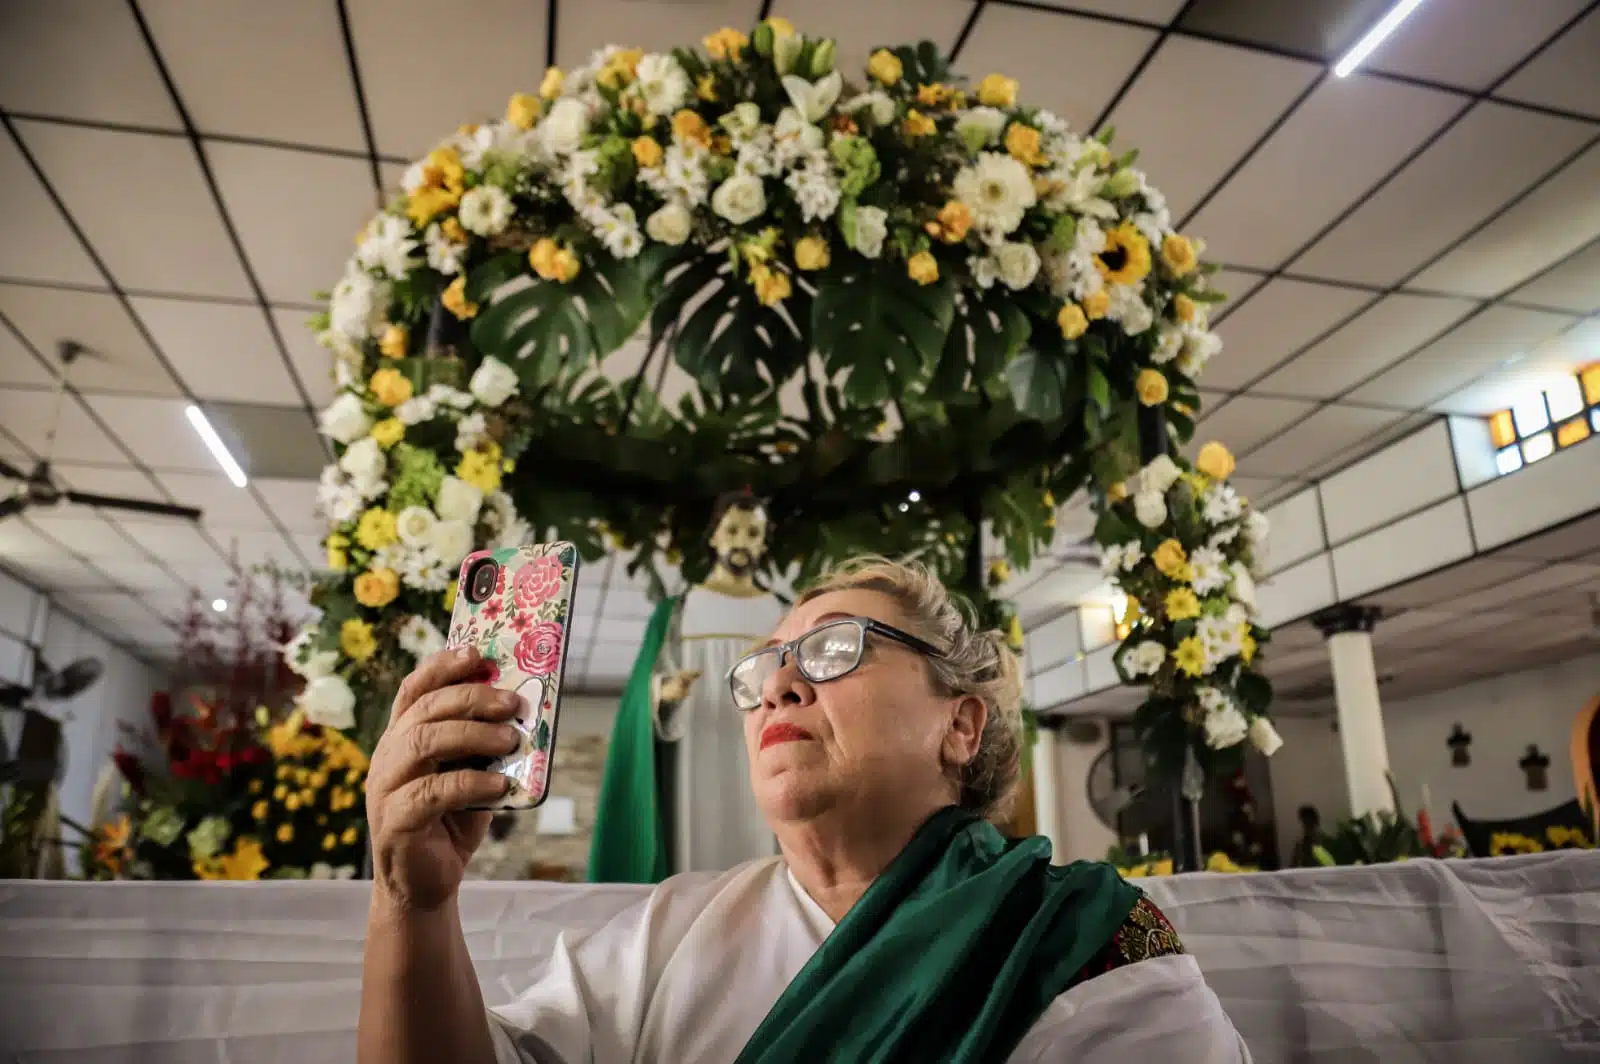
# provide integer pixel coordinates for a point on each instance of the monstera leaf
(884, 328)
(728, 337)
(987, 330)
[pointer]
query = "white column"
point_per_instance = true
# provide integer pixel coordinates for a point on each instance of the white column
(1047, 789)
(1355, 686)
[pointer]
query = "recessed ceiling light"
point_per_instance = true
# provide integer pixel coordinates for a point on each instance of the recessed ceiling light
(1375, 36)
(214, 444)
(220, 605)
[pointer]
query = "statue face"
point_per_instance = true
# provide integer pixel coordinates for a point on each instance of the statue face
(740, 539)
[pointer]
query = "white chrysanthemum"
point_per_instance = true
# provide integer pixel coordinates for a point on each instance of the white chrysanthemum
(415, 176)
(1209, 569)
(357, 305)
(815, 189)
(485, 210)
(1225, 727)
(416, 410)
(1132, 555)
(1079, 192)
(1221, 637)
(872, 226)
(1223, 536)
(740, 199)
(1256, 527)
(1243, 586)
(998, 189)
(505, 528)
(337, 499)
(681, 176)
(662, 83)
(1219, 504)
(1144, 659)
(1110, 558)
(758, 155)
(419, 638)
(387, 244)
(742, 122)
(574, 179)
(1169, 344)
(444, 255)
(471, 431)
(1129, 309)
(618, 230)
(445, 395)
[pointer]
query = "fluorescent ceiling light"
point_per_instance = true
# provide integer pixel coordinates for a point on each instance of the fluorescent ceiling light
(1375, 36)
(214, 444)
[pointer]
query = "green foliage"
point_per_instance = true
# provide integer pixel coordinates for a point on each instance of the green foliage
(882, 329)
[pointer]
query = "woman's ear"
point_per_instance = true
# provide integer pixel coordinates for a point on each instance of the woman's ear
(966, 730)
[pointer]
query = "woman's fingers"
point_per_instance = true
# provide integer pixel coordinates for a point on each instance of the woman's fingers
(465, 701)
(429, 797)
(433, 672)
(427, 744)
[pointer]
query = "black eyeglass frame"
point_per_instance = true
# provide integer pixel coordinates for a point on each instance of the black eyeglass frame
(864, 624)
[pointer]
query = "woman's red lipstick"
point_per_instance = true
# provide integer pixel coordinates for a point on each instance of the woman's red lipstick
(783, 732)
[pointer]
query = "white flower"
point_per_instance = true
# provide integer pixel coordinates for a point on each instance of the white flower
(419, 638)
(794, 138)
(1221, 637)
(872, 226)
(305, 662)
(1199, 347)
(786, 49)
(876, 103)
(1018, 264)
(1150, 508)
(670, 224)
(563, 129)
(458, 500)
(414, 177)
(815, 190)
(1265, 737)
(1169, 344)
(618, 229)
(981, 125)
(1078, 193)
(985, 271)
(445, 395)
(1111, 558)
(328, 701)
(387, 244)
(1223, 536)
(1145, 659)
(1256, 526)
(998, 189)
(1129, 308)
(1159, 475)
(419, 567)
(452, 540)
(743, 121)
(357, 305)
(662, 84)
(505, 528)
(415, 526)
(344, 419)
(814, 99)
(324, 870)
(1225, 727)
(444, 255)
(416, 410)
(1220, 504)
(1132, 555)
(471, 431)
(485, 210)
(740, 199)
(1210, 571)
(337, 499)
(682, 174)
(1243, 586)
(493, 382)
(364, 462)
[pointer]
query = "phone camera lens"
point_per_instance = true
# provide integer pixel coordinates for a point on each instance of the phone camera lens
(482, 579)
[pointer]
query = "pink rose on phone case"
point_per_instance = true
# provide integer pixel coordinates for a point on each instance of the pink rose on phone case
(538, 767)
(539, 649)
(537, 582)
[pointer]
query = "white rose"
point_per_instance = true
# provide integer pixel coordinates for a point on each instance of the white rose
(670, 224)
(981, 125)
(415, 526)
(1243, 586)
(363, 461)
(872, 226)
(564, 127)
(1144, 659)
(1150, 508)
(1159, 475)
(305, 662)
(485, 210)
(452, 540)
(344, 419)
(493, 382)
(1225, 727)
(458, 500)
(328, 701)
(877, 104)
(1019, 265)
(1265, 737)
(740, 199)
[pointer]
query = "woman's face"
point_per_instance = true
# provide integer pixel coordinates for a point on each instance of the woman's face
(881, 734)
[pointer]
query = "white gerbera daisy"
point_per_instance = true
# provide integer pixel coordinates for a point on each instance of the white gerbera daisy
(444, 255)
(387, 245)
(998, 189)
(662, 84)
(485, 210)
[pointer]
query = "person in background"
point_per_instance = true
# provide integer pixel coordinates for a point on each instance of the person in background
(1304, 855)
(884, 734)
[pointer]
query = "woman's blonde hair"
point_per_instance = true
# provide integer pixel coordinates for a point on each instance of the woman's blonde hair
(974, 663)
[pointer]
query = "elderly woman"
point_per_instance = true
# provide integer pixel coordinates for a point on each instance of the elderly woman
(898, 925)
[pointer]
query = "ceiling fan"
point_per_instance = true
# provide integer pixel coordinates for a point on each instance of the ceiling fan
(37, 488)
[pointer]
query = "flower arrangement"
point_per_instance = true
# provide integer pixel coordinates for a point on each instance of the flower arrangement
(1556, 837)
(1136, 866)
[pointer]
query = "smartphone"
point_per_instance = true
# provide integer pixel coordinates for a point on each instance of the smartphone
(515, 606)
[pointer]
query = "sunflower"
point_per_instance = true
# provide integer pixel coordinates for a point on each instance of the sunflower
(1126, 256)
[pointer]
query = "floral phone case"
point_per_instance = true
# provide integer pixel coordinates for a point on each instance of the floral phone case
(522, 629)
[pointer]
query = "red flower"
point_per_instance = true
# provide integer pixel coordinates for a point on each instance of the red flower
(537, 582)
(491, 609)
(131, 770)
(539, 649)
(521, 622)
(500, 581)
(538, 769)
(161, 710)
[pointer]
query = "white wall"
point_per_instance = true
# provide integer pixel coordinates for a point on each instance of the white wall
(1084, 837)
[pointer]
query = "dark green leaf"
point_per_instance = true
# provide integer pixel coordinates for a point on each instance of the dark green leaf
(1035, 382)
(1099, 390)
(883, 327)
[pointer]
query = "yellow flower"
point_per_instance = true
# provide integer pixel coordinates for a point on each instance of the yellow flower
(279, 791)
(1183, 308)
(1118, 491)
(338, 557)
(350, 835)
(689, 126)
(1170, 559)
(522, 110)
(245, 862)
(329, 841)
(481, 469)
(356, 639)
(388, 432)
(255, 787)
(448, 599)
(1014, 635)
(1152, 387)
(726, 43)
(443, 183)
(1214, 461)
(935, 95)
(772, 286)
(999, 572)
(781, 27)
(455, 299)
(1502, 843)
(918, 124)
(922, 268)
(811, 253)
(706, 88)
(390, 387)
(1022, 143)
(1074, 323)
(1182, 605)
(318, 780)
(646, 152)
(552, 261)
(451, 229)
(292, 802)
(1126, 256)
(997, 90)
(1178, 255)
(392, 343)
(1096, 306)
(1247, 644)
(376, 588)
(1190, 657)
(622, 70)
(885, 66)
(377, 529)
(285, 832)
(952, 223)
(259, 810)
(550, 86)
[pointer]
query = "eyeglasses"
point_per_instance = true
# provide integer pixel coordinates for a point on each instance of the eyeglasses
(825, 653)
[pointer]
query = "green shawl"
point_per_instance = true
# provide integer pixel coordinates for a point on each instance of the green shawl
(951, 954)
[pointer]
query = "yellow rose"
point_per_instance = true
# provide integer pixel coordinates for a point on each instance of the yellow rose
(918, 124)
(356, 639)
(259, 810)
(923, 268)
(1152, 387)
(285, 832)
(1177, 254)
(1096, 306)
(522, 110)
(934, 95)
(1022, 143)
(393, 341)
(390, 387)
(443, 183)
(552, 261)
(1170, 559)
(997, 90)
(338, 557)
(550, 86)
(455, 299)
(689, 126)
(376, 588)
(772, 286)
(1215, 461)
(377, 529)
(885, 66)
(1072, 320)
(388, 432)
(292, 802)
(811, 253)
(952, 223)
(1182, 605)
(646, 152)
(1183, 308)
(350, 835)
(726, 43)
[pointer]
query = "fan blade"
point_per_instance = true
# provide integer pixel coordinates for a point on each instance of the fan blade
(9, 470)
(11, 506)
(144, 506)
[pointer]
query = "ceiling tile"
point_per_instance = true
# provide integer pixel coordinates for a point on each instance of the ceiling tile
(1358, 129)
(1472, 349)
(1324, 28)
(1280, 318)
(296, 213)
(1383, 333)
(221, 350)
(1159, 11)
(1450, 583)
(119, 359)
(260, 547)
(1575, 538)
(179, 543)
(39, 245)
(1566, 75)
(114, 613)
(61, 570)
(1245, 421)
(1573, 285)
(141, 202)
(395, 40)
(1560, 356)
(1376, 441)
(1484, 161)
(138, 576)
(1523, 594)
(224, 506)
(311, 360)
(1197, 107)
(104, 480)
(81, 59)
(270, 441)
(1560, 217)
(294, 502)
(29, 416)
(1236, 285)
(18, 367)
(1470, 43)
(583, 29)
(1317, 438)
(275, 71)
(22, 544)
(93, 539)
(392, 174)
(1072, 66)
(156, 430)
